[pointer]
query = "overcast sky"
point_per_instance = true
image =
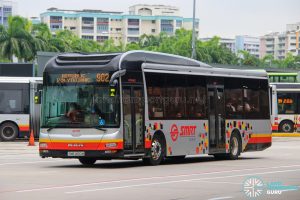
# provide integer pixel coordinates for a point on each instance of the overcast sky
(225, 18)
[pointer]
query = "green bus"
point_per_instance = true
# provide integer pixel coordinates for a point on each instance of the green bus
(285, 77)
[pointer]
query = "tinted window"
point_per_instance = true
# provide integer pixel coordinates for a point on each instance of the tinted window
(174, 96)
(287, 103)
(14, 98)
(233, 98)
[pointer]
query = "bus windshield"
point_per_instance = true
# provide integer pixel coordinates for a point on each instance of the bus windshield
(85, 106)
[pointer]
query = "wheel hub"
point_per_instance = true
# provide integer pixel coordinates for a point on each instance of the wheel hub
(8, 132)
(155, 150)
(235, 146)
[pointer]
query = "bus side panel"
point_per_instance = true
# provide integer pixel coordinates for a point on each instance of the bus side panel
(183, 137)
(256, 135)
(21, 120)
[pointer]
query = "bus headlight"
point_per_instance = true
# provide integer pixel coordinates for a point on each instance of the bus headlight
(43, 145)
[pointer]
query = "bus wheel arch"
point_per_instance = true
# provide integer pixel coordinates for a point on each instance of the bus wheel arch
(286, 126)
(158, 149)
(9, 128)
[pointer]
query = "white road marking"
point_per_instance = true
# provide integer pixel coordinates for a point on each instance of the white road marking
(21, 163)
(178, 181)
(151, 178)
(220, 198)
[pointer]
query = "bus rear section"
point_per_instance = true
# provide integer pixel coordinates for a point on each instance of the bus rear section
(19, 113)
(150, 106)
(285, 107)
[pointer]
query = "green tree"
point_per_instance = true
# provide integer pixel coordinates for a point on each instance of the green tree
(16, 40)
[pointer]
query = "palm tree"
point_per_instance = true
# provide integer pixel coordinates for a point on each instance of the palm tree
(16, 40)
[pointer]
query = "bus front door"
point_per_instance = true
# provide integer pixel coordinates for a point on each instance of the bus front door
(216, 119)
(133, 119)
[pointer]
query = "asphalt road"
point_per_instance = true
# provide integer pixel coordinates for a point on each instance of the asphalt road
(23, 175)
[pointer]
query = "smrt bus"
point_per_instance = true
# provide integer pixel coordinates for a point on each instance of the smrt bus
(152, 106)
(19, 113)
(285, 107)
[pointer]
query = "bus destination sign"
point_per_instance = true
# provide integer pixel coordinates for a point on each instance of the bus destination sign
(83, 78)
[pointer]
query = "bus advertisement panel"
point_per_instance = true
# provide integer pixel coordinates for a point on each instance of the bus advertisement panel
(152, 106)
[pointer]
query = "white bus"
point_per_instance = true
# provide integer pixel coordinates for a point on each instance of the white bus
(285, 107)
(152, 106)
(19, 114)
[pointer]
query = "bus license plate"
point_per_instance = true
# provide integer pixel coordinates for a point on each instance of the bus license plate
(76, 153)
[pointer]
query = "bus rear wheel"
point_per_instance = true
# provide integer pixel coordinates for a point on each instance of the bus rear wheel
(286, 127)
(158, 151)
(8, 131)
(234, 149)
(87, 161)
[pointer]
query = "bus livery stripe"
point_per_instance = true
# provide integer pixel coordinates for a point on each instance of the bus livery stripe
(82, 144)
(24, 127)
(256, 140)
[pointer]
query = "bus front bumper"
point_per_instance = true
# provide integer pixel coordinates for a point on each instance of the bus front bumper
(79, 154)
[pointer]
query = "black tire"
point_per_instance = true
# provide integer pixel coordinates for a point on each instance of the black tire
(87, 161)
(235, 149)
(286, 127)
(157, 145)
(8, 131)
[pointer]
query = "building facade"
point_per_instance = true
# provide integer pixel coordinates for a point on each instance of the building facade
(100, 25)
(247, 43)
(7, 8)
(226, 42)
(280, 44)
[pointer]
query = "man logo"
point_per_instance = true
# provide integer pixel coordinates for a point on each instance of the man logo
(174, 132)
(253, 187)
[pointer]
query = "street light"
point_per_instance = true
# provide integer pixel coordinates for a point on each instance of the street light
(194, 34)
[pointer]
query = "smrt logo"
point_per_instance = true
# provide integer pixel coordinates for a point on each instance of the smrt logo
(174, 132)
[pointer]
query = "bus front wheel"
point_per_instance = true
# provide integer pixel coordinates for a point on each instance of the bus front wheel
(8, 131)
(87, 161)
(158, 151)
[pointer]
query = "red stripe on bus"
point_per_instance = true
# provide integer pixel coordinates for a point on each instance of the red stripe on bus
(84, 146)
(255, 140)
(147, 144)
(24, 128)
(275, 128)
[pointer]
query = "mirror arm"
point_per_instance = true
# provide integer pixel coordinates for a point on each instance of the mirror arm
(116, 75)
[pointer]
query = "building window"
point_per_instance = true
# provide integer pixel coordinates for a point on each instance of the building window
(102, 38)
(88, 37)
(153, 30)
(153, 21)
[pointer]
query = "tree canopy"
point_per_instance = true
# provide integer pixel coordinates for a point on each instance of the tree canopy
(22, 40)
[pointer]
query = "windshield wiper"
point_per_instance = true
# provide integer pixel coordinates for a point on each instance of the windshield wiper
(101, 129)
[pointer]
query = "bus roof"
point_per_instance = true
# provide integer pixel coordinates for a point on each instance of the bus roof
(286, 85)
(7, 79)
(282, 73)
(133, 60)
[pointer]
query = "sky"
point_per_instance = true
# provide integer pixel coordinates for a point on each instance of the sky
(224, 18)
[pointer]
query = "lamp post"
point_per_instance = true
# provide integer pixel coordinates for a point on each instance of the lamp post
(194, 34)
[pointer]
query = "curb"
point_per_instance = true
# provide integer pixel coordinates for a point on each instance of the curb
(285, 134)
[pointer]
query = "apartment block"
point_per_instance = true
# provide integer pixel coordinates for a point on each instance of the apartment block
(280, 44)
(226, 42)
(247, 43)
(7, 8)
(101, 25)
